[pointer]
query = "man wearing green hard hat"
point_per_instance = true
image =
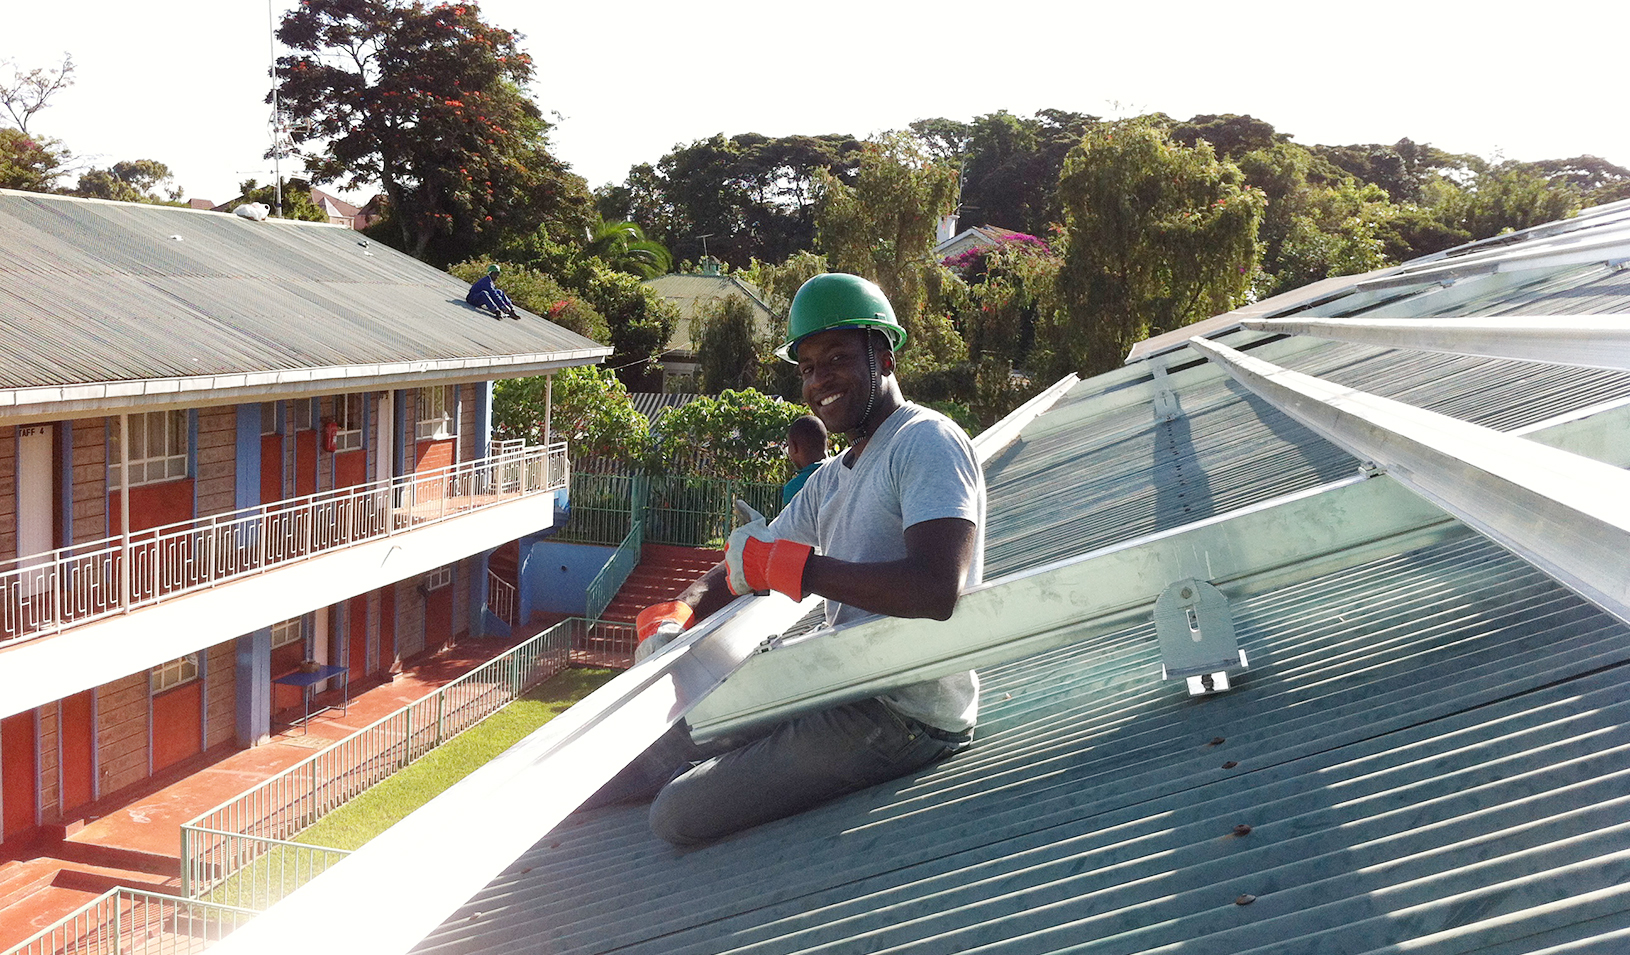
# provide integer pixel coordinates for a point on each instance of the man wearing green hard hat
(893, 526)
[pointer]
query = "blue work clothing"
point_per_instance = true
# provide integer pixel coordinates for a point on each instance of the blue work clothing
(486, 294)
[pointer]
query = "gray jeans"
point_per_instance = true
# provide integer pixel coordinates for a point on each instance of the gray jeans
(797, 765)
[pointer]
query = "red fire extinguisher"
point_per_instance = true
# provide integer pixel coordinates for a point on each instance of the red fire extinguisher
(331, 433)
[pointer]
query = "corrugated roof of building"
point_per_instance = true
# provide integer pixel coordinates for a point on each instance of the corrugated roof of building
(100, 291)
(688, 291)
(1427, 753)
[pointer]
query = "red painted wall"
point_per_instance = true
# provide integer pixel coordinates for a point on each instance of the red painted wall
(438, 618)
(19, 773)
(359, 638)
(285, 660)
(305, 463)
(350, 468)
(387, 627)
(429, 455)
(152, 505)
(271, 468)
(178, 730)
(78, 750)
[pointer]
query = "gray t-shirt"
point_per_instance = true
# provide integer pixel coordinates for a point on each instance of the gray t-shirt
(919, 466)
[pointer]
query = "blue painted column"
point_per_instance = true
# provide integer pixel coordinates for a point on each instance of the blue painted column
(252, 670)
(253, 673)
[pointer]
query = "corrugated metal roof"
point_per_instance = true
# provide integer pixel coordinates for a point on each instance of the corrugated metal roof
(100, 291)
(1415, 740)
(1428, 753)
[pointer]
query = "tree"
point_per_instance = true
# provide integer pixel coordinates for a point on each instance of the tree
(751, 196)
(1512, 196)
(24, 94)
(590, 409)
(135, 180)
(727, 344)
(427, 102)
(736, 434)
(30, 163)
(882, 228)
(1230, 134)
(297, 202)
(1158, 235)
(1012, 164)
(623, 246)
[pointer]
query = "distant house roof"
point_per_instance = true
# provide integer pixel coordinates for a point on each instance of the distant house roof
(652, 404)
(124, 302)
(1427, 751)
(972, 237)
(688, 291)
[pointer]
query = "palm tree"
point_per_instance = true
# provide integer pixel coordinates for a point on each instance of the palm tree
(625, 247)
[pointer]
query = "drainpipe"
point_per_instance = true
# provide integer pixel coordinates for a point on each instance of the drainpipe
(124, 509)
(548, 405)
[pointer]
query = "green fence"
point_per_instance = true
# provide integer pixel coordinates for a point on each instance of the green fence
(687, 511)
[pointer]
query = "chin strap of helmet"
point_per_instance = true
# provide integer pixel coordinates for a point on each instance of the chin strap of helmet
(864, 430)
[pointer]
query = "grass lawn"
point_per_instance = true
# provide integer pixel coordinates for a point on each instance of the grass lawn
(366, 816)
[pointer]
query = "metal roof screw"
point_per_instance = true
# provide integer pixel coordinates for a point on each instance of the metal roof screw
(1216, 741)
(1246, 899)
(1230, 764)
(1242, 830)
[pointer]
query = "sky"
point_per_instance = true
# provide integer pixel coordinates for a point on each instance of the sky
(184, 81)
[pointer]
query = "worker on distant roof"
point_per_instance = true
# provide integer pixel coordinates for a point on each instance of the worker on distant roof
(486, 294)
(806, 449)
(893, 526)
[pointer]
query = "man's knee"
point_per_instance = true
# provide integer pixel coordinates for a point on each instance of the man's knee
(677, 821)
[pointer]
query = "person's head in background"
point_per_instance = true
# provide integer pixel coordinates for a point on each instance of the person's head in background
(806, 441)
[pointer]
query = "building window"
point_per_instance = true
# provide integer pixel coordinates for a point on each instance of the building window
(348, 416)
(287, 632)
(180, 671)
(305, 411)
(438, 413)
(158, 449)
(438, 578)
(268, 417)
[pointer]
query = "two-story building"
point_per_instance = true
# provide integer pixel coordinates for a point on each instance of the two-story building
(231, 452)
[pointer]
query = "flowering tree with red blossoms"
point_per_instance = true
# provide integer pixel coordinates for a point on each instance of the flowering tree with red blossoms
(428, 103)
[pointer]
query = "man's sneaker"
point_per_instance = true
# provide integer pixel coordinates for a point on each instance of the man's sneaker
(515, 315)
(496, 314)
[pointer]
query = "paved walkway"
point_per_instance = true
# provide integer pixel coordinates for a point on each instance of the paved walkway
(134, 838)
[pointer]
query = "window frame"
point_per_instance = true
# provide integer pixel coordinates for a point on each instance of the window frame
(436, 412)
(348, 416)
(173, 674)
(282, 629)
(172, 464)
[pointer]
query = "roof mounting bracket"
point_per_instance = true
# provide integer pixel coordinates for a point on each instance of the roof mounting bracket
(1167, 407)
(1196, 634)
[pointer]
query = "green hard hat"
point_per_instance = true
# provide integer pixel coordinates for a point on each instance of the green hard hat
(493, 270)
(839, 300)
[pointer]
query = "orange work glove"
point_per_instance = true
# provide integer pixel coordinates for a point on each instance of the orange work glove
(658, 624)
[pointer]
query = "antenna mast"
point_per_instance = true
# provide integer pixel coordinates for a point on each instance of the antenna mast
(277, 119)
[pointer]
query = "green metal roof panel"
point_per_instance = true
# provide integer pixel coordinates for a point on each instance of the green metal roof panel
(1428, 749)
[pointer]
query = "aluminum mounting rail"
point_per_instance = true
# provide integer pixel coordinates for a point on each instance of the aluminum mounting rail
(1584, 341)
(1279, 542)
(1566, 514)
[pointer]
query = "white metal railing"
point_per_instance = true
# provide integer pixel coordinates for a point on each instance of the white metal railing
(276, 810)
(45, 593)
(133, 922)
(501, 598)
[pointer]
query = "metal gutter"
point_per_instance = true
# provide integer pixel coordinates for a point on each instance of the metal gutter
(60, 401)
(1583, 341)
(1566, 514)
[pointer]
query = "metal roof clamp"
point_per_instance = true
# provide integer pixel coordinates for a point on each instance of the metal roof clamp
(1196, 633)
(1166, 405)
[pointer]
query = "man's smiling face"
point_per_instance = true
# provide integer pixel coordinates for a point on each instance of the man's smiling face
(837, 378)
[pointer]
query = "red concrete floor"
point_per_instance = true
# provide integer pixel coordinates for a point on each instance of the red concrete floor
(134, 838)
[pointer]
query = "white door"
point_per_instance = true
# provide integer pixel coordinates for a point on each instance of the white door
(35, 486)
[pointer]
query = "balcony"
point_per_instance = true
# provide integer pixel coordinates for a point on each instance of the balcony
(48, 593)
